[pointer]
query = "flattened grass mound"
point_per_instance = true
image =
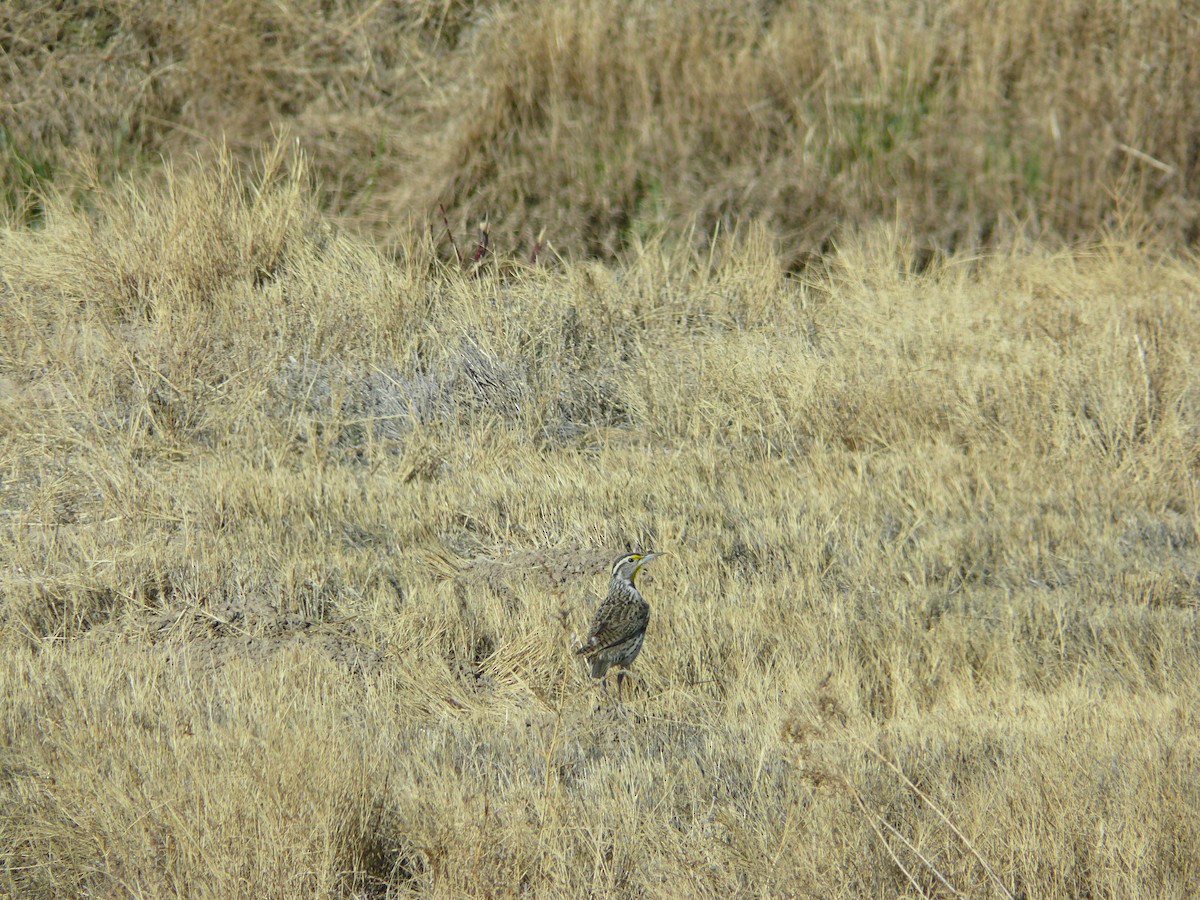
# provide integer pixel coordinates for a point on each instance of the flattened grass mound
(603, 123)
(298, 540)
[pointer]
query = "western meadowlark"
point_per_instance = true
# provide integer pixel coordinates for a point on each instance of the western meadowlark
(619, 625)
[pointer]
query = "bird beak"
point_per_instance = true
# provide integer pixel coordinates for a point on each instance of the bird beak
(649, 556)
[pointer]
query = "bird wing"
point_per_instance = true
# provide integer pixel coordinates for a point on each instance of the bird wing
(617, 619)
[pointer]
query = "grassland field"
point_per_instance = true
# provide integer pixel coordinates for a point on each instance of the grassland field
(303, 512)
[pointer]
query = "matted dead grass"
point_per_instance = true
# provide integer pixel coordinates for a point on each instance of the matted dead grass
(297, 539)
(600, 124)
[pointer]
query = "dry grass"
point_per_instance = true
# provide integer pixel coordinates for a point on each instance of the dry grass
(604, 123)
(296, 538)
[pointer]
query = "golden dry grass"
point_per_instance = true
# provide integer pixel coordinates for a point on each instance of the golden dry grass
(298, 538)
(968, 123)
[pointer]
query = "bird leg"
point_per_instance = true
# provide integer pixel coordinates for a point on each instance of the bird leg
(603, 683)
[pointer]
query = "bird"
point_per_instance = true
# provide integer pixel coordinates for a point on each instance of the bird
(619, 624)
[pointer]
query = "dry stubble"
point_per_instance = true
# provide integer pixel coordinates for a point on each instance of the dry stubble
(296, 549)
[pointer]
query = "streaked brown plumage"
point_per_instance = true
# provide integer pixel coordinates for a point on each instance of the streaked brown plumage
(619, 625)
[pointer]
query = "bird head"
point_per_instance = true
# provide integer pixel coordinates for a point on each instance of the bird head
(628, 566)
